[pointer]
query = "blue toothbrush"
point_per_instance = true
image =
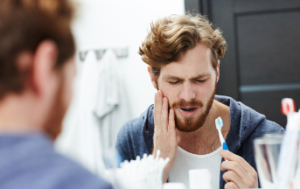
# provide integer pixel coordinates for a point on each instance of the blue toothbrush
(219, 125)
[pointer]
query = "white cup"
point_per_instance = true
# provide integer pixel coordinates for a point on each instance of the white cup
(174, 185)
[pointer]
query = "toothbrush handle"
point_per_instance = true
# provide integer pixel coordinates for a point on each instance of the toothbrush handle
(225, 147)
(221, 137)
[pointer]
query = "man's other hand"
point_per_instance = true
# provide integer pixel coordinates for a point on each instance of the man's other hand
(240, 174)
(164, 132)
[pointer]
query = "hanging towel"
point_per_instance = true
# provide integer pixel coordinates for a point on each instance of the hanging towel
(99, 108)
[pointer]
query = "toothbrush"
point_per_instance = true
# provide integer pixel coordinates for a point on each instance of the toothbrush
(289, 144)
(219, 125)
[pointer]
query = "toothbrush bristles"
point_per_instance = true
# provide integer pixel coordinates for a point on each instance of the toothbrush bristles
(219, 123)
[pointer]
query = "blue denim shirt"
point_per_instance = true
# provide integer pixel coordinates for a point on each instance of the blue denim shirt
(136, 137)
(28, 161)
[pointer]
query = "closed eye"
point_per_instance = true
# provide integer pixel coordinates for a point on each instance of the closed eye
(201, 81)
(173, 82)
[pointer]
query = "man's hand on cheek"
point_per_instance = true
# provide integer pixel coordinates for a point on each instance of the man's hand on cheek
(164, 132)
(240, 174)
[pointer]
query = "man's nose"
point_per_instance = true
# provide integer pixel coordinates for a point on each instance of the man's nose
(188, 93)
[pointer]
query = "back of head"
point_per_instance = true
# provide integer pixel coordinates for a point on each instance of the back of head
(172, 36)
(24, 24)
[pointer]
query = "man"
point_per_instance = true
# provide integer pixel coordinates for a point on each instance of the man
(36, 72)
(183, 56)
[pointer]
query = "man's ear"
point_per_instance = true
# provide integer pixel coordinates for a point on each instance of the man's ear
(218, 70)
(152, 77)
(44, 60)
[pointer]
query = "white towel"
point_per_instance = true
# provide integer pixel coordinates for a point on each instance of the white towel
(98, 110)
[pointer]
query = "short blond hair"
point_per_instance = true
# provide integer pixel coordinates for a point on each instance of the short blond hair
(172, 36)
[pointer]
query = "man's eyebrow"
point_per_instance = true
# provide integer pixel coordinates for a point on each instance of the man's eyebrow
(200, 76)
(172, 77)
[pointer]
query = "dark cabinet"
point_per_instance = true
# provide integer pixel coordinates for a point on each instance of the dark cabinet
(262, 64)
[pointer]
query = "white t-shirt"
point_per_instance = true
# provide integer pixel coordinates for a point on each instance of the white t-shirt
(186, 161)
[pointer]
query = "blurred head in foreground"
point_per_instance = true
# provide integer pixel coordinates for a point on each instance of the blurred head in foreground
(36, 72)
(36, 64)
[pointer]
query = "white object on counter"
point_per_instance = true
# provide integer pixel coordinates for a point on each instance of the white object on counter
(174, 185)
(297, 176)
(200, 178)
(145, 173)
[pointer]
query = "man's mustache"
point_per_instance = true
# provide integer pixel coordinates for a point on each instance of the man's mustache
(182, 103)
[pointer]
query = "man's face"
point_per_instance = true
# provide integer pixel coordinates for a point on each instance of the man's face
(61, 100)
(190, 86)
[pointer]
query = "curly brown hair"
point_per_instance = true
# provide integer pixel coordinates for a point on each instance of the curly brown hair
(24, 24)
(172, 36)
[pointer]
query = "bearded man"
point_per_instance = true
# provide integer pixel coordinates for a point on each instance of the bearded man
(36, 72)
(183, 55)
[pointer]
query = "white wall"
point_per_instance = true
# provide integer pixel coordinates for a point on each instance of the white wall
(124, 23)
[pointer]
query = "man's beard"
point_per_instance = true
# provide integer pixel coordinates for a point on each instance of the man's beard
(187, 124)
(53, 124)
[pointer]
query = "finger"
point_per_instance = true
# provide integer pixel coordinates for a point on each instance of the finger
(233, 157)
(171, 128)
(235, 167)
(231, 176)
(230, 185)
(164, 116)
(245, 179)
(157, 110)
